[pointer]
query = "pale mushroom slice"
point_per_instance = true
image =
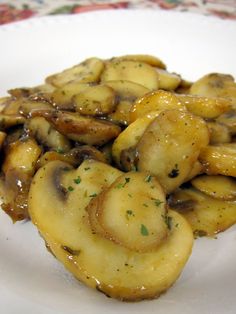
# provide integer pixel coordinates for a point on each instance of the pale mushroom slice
(47, 135)
(171, 145)
(11, 106)
(219, 159)
(168, 81)
(220, 187)
(219, 133)
(25, 92)
(154, 101)
(18, 168)
(29, 105)
(134, 71)
(63, 221)
(131, 212)
(215, 85)
(85, 72)
(95, 100)
(149, 59)
(85, 130)
(207, 215)
(205, 107)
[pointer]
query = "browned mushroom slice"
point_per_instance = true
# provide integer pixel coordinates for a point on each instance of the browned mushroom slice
(18, 169)
(219, 133)
(151, 60)
(134, 71)
(219, 159)
(206, 215)
(86, 72)
(2, 138)
(47, 135)
(183, 87)
(12, 106)
(3, 102)
(126, 93)
(30, 105)
(74, 157)
(28, 91)
(7, 121)
(82, 129)
(95, 100)
(220, 187)
(170, 146)
(62, 96)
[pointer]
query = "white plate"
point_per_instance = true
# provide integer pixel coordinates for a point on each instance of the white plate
(31, 280)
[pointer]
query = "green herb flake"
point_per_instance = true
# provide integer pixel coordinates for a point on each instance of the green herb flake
(143, 230)
(119, 186)
(127, 180)
(148, 178)
(145, 205)
(87, 168)
(59, 151)
(130, 195)
(122, 185)
(157, 202)
(77, 180)
(70, 188)
(93, 195)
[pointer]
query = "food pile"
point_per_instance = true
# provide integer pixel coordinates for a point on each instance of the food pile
(120, 164)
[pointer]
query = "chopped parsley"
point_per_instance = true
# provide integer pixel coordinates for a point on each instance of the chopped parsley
(70, 188)
(87, 168)
(157, 202)
(121, 185)
(168, 221)
(93, 195)
(144, 230)
(145, 205)
(129, 213)
(77, 180)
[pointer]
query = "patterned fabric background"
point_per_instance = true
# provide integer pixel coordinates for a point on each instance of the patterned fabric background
(21, 9)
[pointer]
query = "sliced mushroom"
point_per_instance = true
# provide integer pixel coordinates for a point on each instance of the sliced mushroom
(62, 96)
(129, 137)
(154, 101)
(219, 133)
(74, 157)
(63, 221)
(215, 85)
(134, 71)
(220, 187)
(7, 120)
(86, 72)
(126, 93)
(47, 135)
(229, 120)
(95, 100)
(219, 159)
(205, 107)
(137, 223)
(167, 80)
(29, 105)
(25, 92)
(2, 138)
(151, 60)
(82, 129)
(12, 106)
(206, 215)
(170, 146)
(18, 168)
